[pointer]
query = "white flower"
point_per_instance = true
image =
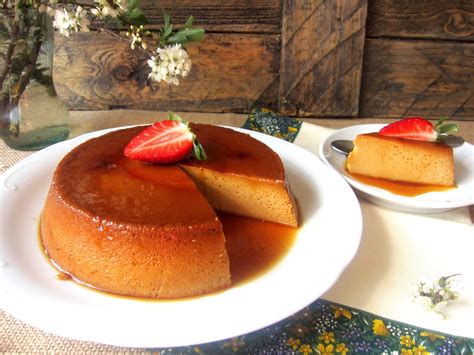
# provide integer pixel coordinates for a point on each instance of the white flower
(111, 8)
(63, 21)
(66, 21)
(436, 294)
(170, 63)
(80, 20)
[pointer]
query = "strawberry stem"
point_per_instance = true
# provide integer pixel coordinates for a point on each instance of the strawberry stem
(198, 150)
(445, 130)
(174, 117)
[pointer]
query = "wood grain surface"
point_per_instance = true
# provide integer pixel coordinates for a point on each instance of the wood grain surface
(427, 78)
(322, 51)
(430, 19)
(303, 58)
(231, 72)
(262, 16)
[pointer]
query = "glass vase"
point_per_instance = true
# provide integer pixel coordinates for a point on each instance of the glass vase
(32, 114)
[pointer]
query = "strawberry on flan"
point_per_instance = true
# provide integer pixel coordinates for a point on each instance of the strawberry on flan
(136, 229)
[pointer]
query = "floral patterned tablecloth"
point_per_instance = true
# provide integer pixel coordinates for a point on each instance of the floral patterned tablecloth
(329, 328)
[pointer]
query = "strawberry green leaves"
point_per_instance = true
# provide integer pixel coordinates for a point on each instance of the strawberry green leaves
(445, 130)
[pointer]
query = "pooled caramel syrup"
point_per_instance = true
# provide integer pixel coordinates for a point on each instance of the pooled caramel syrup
(62, 276)
(254, 246)
(398, 187)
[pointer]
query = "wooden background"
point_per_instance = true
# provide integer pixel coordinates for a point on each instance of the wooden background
(333, 58)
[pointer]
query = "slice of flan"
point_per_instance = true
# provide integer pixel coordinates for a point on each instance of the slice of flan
(242, 176)
(143, 230)
(399, 159)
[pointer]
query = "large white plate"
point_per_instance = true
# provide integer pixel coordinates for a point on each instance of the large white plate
(29, 290)
(433, 202)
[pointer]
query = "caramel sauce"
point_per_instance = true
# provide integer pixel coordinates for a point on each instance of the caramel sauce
(399, 187)
(254, 246)
(62, 276)
(237, 153)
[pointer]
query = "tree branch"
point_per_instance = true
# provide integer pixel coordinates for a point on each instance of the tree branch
(9, 52)
(30, 67)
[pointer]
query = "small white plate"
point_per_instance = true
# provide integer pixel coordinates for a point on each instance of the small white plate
(433, 202)
(30, 291)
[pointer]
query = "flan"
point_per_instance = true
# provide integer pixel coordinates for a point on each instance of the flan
(404, 160)
(151, 231)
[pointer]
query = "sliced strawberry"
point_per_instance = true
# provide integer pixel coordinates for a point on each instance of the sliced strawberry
(411, 128)
(164, 142)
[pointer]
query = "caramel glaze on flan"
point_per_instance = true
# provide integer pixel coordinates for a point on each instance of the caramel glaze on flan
(398, 159)
(142, 230)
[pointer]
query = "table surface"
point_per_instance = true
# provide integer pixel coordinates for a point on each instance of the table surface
(16, 336)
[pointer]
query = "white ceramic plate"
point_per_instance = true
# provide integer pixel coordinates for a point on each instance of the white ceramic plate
(433, 202)
(30, 291)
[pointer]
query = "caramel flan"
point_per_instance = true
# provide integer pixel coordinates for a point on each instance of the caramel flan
(399, 159)
(151, 231)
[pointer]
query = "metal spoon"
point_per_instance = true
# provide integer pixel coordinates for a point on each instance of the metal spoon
(345, 146)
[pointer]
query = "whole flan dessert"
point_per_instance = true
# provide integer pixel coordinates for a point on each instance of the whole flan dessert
(144, 230)
(411, 150)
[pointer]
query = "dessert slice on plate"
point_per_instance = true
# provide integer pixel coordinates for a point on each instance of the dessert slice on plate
(409, 150)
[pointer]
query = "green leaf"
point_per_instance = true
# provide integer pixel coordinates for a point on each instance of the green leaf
(189, 22)
(137, 17)
(178, 38)
(444, 130)
(187, 35)
(133, 4)
(167, 31)
(194, 34)
(167, 21)
(198, 150)
(449, 128)
(174, 117)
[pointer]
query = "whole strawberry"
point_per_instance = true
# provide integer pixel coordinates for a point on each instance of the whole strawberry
(418, 128)
(165, 142)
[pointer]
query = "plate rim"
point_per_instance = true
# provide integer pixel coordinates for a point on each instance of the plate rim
(356, 236)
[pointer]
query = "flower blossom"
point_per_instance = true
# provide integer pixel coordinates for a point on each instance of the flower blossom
(435, 295)
(112, 8)
(170, 63)
(62, 21)
(66, 21)
(136, 34)
(81, 20)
